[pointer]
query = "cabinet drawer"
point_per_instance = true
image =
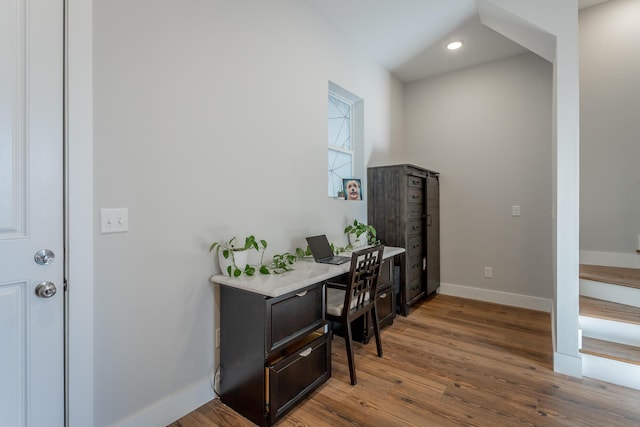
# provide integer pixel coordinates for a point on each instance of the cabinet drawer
(414, 227)
(386, 278)
(414, 268)
(386, 306)
(414, 246)
(415, 195)
(291, 378)
(292, 316)
(414, 288)
(415, 181)
(414, 212)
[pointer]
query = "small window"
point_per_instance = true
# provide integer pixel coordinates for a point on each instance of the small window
(344, 138)
(340, 144)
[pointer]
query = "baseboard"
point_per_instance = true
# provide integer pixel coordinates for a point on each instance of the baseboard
(609, 330)
(498, 297)
(609, 292)
(173, 407)
(611, 371)
(611, 259)
(567, 364)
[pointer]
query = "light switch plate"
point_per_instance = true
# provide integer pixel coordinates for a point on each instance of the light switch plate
(114, 220)
(515, 210)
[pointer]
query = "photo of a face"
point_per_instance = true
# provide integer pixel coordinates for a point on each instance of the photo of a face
(352, 189)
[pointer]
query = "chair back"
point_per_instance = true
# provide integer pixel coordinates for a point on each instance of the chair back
(363, 283)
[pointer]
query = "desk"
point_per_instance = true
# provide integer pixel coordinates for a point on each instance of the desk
(305, 272)
(275, 347)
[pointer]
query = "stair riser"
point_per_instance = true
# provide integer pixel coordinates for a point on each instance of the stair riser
(608, 330)
(610, 292)
(612, 371)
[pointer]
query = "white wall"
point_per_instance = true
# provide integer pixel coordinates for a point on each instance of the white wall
(609, 127)
(209, 122)
(487, 129)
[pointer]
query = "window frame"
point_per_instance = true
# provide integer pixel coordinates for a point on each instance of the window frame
(356, 133)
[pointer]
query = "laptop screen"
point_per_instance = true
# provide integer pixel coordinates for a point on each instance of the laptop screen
(320, 248)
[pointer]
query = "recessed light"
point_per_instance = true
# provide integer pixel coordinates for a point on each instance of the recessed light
(456, 44)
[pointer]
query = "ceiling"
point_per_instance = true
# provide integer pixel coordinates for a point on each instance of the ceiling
(408, 37)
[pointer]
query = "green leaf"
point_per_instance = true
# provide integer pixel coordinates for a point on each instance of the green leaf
(237, 272)
(264, 269)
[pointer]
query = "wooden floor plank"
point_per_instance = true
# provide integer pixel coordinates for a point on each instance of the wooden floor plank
(593, 307)
(611, 350)
(617, 275)
(452, 362)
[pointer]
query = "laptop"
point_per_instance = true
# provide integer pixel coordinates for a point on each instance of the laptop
(321, 251)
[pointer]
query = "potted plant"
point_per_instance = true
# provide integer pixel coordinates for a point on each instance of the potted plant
(280, 263)
(233, 257)
(360, 234)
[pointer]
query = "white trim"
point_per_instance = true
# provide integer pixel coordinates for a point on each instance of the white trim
(567, 364)
(79, 211)
(498, 297)
(171, 408)
(610, 330)
(610, 259)
(610, 292)
(612, 371)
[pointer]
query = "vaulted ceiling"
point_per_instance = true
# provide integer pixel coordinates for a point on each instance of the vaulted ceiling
(408, 37)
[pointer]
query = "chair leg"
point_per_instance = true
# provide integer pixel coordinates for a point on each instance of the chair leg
(376, 330)
(349, 346)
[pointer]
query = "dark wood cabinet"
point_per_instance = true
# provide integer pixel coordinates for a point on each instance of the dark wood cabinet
(403, 206)
(273, 351)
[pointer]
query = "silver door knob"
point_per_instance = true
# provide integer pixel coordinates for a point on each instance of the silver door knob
(44, 256)
(46, 289)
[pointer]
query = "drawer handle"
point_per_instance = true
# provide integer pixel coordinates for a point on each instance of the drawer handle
(305, 353)
(382, 296)
(301, 294)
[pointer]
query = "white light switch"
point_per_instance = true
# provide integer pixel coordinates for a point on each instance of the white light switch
(114, 220)
(515, 210)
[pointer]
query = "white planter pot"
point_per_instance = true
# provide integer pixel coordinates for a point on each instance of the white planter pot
(239, 258)
(356, 241)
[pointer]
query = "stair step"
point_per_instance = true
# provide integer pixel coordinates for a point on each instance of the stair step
(617, 275)
(611, 350)
(593, 307)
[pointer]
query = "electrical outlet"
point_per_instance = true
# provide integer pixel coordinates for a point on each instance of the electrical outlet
(217, 337)
(515, 210)
(488, 272)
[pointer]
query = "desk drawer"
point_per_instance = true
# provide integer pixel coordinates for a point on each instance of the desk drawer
(385, 278)
(386, 307)
(293, 316)
(293, 377)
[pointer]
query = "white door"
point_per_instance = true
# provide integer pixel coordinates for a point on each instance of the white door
(31, 213)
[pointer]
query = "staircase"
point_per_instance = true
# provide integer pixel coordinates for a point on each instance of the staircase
(610, 324)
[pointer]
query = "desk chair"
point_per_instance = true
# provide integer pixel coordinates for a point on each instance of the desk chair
(348, 302)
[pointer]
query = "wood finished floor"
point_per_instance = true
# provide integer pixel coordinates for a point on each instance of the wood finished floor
(452, 362)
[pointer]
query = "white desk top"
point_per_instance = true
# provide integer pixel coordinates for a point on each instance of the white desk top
(304, 273)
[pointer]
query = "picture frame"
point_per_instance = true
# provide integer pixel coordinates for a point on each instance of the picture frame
(352, 188)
